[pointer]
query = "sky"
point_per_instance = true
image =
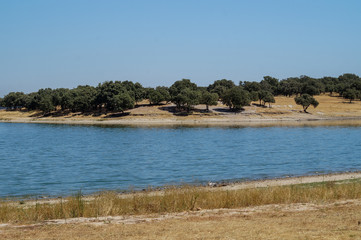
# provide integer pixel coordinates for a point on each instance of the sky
(66, 43)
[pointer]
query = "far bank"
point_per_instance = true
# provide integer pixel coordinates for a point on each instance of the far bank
(332, 111)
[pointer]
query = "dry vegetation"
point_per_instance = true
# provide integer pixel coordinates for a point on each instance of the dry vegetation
(304, 211)
(187, 198)
(338, 222)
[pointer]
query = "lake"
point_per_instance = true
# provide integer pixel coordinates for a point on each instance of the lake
(45, 159)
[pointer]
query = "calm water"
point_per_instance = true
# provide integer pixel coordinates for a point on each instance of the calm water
(40, 159)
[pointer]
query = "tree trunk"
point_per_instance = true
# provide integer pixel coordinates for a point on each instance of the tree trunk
(305, 109)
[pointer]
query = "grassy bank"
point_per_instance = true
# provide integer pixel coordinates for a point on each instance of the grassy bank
(173, 200)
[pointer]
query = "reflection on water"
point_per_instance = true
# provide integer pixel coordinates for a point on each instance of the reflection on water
(61, 159)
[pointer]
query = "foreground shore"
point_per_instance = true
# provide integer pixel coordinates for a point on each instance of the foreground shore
(292, 222)
(308, 207)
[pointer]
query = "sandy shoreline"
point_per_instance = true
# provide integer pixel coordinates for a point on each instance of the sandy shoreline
(206, 122)
(333, 177)
(262, 183)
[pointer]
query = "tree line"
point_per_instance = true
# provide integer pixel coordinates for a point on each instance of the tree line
(123, 95)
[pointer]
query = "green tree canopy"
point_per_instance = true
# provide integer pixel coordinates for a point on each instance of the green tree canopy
(121, 102)
(178, 86)
(350, 94)
(13, 100)
(184, 94)
(220, 86)
(155, 96)
(113, 94)
(305, 100)
(208, 99)
(187, 98)
(268, 98)
(83, 98)
(235, 98)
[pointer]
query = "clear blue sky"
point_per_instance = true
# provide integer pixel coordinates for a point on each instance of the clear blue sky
(48, 43)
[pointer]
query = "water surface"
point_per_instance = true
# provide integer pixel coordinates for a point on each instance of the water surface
(43, 159)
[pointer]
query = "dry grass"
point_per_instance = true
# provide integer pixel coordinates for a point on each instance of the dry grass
(329, 106)
(339, 221)
(175, 200)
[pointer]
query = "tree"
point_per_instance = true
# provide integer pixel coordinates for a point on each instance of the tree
(254, 96)
(271, 81)
(350, 94)
(62, 97)
(305, 100)
(270, 84)
(311, 86)
(235, 98)
(14, 100)
(184, 94)
(165, 93)
(139, 92)
(83, 98)
(187, 98)
(290, 86)
(329, 83)
(208, 98)
(155, 97)
(251, 86)
(107, 91)
(178, 86)
(46, 104)
(220, 87)
(268, 98)
(121, 102)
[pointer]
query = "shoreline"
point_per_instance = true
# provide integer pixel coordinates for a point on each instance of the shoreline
(216, 186)
(197, 122)
(287, 181)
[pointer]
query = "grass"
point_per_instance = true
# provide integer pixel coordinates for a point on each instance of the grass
(186, 198)
(337, 222)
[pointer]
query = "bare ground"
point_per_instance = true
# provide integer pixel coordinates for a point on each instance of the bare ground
(339, 220)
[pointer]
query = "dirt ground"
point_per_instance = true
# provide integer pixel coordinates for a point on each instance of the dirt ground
(340, 220)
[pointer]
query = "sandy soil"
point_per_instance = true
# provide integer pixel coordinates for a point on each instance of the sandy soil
(338, 220)
(331, 111)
